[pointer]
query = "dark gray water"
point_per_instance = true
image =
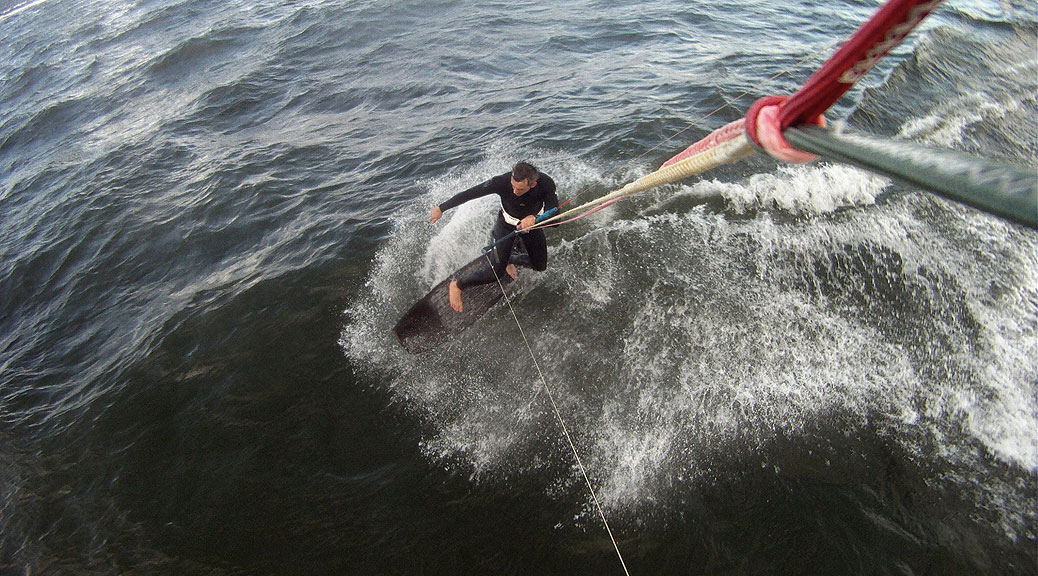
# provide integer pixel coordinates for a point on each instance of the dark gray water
(212, 214)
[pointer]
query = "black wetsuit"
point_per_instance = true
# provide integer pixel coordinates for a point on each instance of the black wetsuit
(540, 197)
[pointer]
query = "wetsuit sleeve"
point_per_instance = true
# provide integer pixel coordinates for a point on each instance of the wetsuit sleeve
(551, 199)
(477, 191)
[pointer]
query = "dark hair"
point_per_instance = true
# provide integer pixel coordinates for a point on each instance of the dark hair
(524, 171)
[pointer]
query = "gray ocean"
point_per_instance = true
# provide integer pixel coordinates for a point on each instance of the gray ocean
(212, 214)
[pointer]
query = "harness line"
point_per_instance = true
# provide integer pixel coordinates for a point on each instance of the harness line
(558, 415)
(729, 151)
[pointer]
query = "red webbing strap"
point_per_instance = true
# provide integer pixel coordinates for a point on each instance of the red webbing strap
(754, 111)
(886, 29)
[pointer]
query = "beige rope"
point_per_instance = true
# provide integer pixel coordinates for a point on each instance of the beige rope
(723, 153)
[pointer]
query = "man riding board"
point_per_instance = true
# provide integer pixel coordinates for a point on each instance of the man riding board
(524, 193)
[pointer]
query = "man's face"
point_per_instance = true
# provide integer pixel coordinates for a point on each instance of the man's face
(520, 187)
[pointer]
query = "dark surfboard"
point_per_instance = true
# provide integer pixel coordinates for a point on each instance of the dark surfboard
(431, 320)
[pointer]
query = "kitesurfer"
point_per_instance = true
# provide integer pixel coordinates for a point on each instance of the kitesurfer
(525, 192)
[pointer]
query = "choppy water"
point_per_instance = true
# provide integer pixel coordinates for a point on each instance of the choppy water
(212, 214)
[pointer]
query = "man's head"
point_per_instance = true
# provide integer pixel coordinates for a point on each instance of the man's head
(524, 177)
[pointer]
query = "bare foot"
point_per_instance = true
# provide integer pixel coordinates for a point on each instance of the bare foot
(454, 292)
(510, 269)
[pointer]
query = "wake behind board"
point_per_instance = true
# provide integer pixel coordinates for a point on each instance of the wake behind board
(431, 320)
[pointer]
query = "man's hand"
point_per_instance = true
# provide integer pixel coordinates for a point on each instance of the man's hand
(526, 223)
(436, 213)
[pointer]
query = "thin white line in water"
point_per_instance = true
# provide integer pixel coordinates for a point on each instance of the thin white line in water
(19, 9)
